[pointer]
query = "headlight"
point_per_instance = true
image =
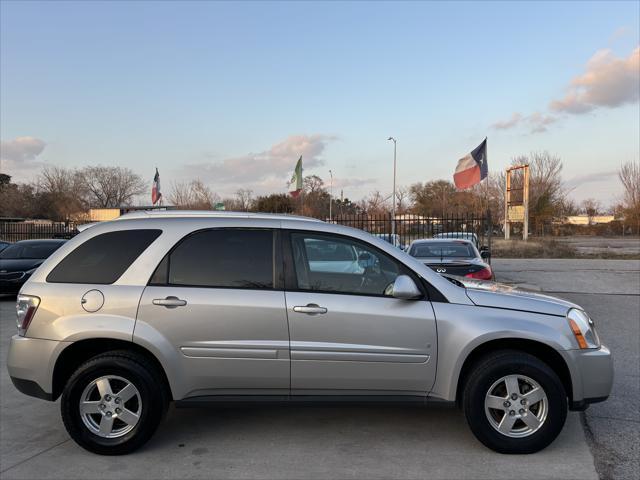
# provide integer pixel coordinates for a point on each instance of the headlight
(583, 329)
(26, 307)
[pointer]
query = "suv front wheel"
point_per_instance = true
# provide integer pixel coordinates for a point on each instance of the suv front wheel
(514, 403)
(112, 405)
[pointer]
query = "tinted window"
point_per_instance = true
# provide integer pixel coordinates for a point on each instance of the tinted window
(103, 258)
(31, 250)
(337, 264)
(442, 249)
(223, 258)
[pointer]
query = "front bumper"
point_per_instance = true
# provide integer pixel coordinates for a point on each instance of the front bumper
(31, 362)
(591, 376)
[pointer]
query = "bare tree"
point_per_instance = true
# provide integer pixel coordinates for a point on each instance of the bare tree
(546, 190)
(244, 197)
(629, 175)
(194, 195)
(180, 194)
(374, 204)
(17, 199)
(591, 207)
(204, 197)
(111, 187)
(62, 191)
(403, 200)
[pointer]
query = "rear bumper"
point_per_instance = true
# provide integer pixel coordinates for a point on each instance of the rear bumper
(30, 364)
(13, 286)
(31, 388)
(10, 288)
(591, 376)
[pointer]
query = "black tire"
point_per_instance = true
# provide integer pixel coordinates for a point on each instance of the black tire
(137, 370)
(491, 368)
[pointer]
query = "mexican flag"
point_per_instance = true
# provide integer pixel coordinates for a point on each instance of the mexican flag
(296, 179)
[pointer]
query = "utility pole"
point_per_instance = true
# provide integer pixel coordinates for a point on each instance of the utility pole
(393, 197)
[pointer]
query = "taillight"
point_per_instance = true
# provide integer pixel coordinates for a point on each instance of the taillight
(26, 307)
(484, 274)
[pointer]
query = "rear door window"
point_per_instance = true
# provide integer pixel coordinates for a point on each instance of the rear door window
(104, 258)
(222, 258)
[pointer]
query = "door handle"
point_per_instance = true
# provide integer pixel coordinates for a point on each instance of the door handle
(169, 302)
(310, 309)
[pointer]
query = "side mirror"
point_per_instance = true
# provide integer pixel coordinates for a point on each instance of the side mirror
(485, 252)
(405, 288)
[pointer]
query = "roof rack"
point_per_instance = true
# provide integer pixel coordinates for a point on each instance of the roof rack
(210, 214)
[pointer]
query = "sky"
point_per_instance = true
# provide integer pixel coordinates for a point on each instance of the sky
(233, 93)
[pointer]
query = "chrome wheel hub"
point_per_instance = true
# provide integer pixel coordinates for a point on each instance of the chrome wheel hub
(110, 406)
(516, 406)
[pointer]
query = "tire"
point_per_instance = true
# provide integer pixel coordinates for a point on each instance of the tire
(114, 425)
(528, 427)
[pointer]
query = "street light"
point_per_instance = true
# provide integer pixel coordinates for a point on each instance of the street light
(393, 197)
(330, 194)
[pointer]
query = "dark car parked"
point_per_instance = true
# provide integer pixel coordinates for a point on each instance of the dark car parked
(3, 245)
(453, 257)
(19, 260)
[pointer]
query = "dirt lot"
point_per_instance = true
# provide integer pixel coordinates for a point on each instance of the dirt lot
(568, 247)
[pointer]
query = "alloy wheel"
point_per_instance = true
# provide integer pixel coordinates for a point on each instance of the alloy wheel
(110, 406)
(516, 406)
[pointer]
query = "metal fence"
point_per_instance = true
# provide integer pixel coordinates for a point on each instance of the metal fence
(411, 227)
(408, 227)
(16, 231)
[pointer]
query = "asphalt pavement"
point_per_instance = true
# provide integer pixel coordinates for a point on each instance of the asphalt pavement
(609, 290)
(349, 442)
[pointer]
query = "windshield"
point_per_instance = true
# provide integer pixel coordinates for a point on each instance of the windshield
(29, 251)
(442, 249)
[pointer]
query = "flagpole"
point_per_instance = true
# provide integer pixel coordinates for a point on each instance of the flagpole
(487, 179)
(393, 196)
(330, 194)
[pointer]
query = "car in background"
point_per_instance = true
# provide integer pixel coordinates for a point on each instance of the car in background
(472, 237)
(393, 239)
(19, 260)
(3, 245)
(452, 257)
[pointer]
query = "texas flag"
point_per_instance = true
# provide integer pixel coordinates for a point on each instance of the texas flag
(156, 195)
(472, 168)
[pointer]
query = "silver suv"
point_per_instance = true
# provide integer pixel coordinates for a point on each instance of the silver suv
(201, 308)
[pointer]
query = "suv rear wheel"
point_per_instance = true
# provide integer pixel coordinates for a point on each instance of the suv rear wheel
(514, 403)
(112, 405)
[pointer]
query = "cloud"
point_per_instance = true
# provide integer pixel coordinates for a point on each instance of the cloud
(620, 32)
(608, 82)
(264, 171)
(507, 124)
(596, 177)
(18, 157)
(21, 149)
(536, 122)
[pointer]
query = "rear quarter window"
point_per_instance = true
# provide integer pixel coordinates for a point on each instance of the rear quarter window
(104, 258)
